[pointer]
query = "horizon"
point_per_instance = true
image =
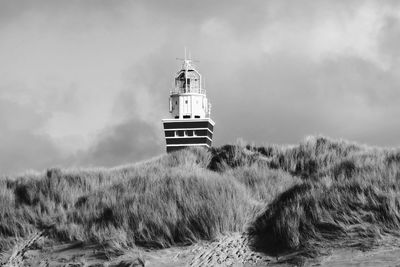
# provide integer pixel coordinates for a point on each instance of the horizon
(80, 80)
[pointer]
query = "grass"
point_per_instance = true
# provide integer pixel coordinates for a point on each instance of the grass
(321, 192)
(169, 200)
(349, 196)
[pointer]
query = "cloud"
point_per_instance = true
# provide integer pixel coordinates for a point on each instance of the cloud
(127, 142)
(389, 39)
(82, 78)
(21, 146)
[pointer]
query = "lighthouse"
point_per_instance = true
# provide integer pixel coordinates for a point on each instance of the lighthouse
(190, 123)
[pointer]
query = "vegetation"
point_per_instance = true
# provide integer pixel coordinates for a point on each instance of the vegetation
(349, 196)
(321, 192)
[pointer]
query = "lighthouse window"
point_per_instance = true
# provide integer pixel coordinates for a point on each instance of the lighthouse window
(176, 102)
(186, 101)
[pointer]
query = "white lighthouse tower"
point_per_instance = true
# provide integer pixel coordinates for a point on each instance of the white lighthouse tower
(190, 123)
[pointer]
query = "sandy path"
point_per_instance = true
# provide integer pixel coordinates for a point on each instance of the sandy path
(230, 250)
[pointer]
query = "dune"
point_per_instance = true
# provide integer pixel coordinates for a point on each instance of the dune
(235, 205)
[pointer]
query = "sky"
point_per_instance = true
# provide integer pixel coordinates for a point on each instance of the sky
(86, 83)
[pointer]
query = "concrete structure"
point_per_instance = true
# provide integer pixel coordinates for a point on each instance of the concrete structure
(190, 123)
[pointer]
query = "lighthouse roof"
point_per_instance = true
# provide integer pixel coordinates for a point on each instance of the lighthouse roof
(188, 74)
(187, 65)
(188, 70)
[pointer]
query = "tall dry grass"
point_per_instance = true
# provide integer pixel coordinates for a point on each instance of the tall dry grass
(172, 199)
(349, 196)
(321, 192)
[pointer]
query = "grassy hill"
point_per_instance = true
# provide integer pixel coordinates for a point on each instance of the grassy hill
(318, 194)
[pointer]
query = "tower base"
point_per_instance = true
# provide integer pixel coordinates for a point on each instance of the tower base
(182, 133)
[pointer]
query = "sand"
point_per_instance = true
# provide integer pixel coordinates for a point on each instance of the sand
(227, 250)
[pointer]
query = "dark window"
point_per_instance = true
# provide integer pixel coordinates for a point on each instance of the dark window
(191, 140)
(197, 116)
(186, 116)
(186, 101)
(180, 133)
(201, 132)
(189, 133)
(169, 133)
(176, 117)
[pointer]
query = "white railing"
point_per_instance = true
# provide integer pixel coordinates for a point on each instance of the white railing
(188, 90)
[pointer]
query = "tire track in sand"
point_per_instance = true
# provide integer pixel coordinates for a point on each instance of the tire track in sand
(228, 251)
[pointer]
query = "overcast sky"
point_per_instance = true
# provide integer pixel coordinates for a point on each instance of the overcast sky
(86, 83)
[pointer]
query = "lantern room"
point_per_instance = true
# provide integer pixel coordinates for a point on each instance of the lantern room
(188, 80)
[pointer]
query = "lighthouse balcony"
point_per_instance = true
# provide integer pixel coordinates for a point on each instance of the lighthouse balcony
(178, 90)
